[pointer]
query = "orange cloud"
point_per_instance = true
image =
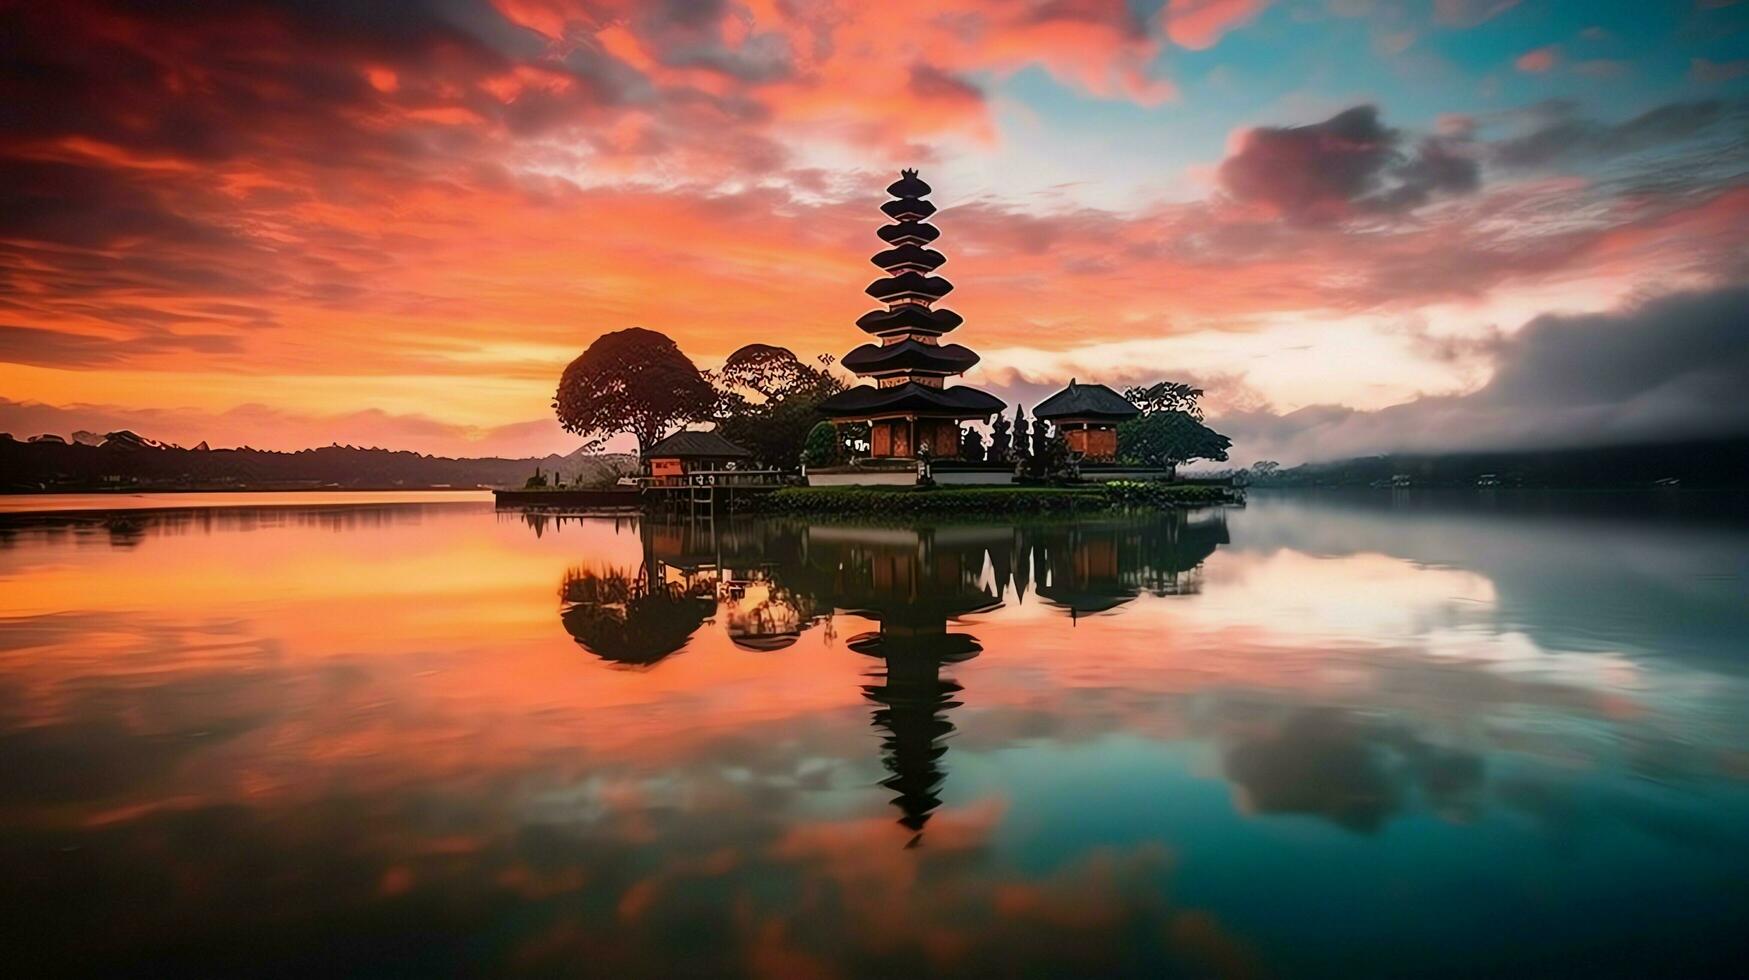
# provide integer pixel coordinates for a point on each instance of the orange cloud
(404, 231)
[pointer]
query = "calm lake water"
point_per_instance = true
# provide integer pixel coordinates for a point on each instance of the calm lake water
(1347, 737)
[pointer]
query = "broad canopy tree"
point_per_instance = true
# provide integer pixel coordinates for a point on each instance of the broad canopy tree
(635, 381)
(772, 373)
(768, 400)
(1170, 430)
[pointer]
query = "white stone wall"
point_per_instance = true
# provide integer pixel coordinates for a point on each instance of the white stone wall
(867, 478)
(1101, 475)
(965, 478)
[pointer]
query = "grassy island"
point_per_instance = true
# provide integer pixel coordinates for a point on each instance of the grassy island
(1065, 499)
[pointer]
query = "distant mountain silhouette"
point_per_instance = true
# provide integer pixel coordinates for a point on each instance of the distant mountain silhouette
(1700, 464)
(127, 459)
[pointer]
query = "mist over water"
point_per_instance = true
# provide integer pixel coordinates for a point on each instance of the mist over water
(1332, 736)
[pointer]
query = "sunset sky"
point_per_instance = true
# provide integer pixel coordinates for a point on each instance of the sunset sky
(1361, 224)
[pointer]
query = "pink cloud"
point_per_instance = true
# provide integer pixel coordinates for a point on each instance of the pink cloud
(1200, 24)
(1538, 60)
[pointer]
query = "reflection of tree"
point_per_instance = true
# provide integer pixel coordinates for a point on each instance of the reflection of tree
(1171, 551)
(126, 531)
(1089, 568)
(539, 520)
(687, 568)
(631, 619)
(1354, 773)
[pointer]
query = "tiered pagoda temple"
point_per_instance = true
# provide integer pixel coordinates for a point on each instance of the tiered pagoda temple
(910, 409)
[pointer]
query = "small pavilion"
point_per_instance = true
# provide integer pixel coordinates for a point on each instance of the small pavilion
(689, 450)
(1088, 415)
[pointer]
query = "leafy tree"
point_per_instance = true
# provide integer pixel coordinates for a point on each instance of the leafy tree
(772, 373)
(1170, 429)
(1167, 396)
(1022, 433)
(1168, 439)
(768, 400)
(634, 381)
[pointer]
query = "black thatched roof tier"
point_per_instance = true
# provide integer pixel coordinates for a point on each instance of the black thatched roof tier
(907, 209)
(909, 317)
(910, 355)
(909, 257)
(947, 648)
(956, 402)
(908, 185)
(690, 444)
(910, 231)
(909, 284)
(1079, 401)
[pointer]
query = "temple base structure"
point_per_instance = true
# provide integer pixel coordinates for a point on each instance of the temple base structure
(914, 438)
(872, 472)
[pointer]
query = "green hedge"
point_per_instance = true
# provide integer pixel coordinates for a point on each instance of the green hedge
(1138, 493)
(880, 501)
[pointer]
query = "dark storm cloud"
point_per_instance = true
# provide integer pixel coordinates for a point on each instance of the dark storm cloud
(90, 207)
(1559, 134)
(1671, 368)
(1695, 345)
(151, 149)
(205, 82)
(1348, 163)
(71, 234)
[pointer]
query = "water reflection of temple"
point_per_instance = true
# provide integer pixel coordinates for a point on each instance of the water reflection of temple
(767, 582)
(912, 583)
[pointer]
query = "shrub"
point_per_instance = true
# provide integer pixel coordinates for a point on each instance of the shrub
(821, 447)
(1138, 493)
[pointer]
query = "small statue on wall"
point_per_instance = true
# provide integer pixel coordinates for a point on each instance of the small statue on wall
(971, 445)
(999, 440)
